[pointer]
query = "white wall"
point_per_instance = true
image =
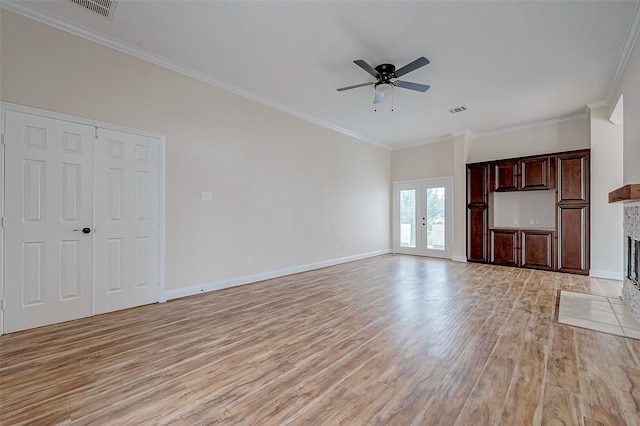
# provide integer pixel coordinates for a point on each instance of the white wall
(285, 191)
(606, 175)
(630, 87)
(523, 206)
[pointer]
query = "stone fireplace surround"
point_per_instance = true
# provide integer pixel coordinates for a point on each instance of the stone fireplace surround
(630, 196)
(630, 287)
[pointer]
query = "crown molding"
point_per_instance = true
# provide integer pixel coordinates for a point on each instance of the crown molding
(625, 52)
(466, 133)
(593, 105)
(444, 138)
(129, 49)
(528, 126)
(498, 131)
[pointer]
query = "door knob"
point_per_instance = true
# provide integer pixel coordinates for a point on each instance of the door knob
(83, 230)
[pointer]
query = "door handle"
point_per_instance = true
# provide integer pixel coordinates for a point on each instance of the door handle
(83, 230)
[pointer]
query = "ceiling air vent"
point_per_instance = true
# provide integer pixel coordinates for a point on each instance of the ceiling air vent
(103, 8)
(458, 109)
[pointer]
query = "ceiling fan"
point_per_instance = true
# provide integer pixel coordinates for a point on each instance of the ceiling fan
(384, 73)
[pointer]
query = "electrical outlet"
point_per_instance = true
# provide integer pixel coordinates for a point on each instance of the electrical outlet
(207, 196)
(532, 222)
(515, 221)
(249, 260)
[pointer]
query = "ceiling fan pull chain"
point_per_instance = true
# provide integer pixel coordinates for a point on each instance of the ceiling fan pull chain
(375, 105)
(392, 98)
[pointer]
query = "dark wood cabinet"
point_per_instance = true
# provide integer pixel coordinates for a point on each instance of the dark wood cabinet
(537, 248)
(528, 248)
(572, 212)
(477, 211)
(573, 177)
(477, 225)
(527, 174)
(573, 238)
(478, 184)
(505, 246)
(504, 176)
(566, 249)
(536, 173)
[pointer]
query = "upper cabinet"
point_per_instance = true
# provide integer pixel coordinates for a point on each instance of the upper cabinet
(573, 177)
(526, 174)
(537, 173)
(504, 176)
(477, 183)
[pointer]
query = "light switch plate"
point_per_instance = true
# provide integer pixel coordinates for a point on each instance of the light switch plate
(207, 196)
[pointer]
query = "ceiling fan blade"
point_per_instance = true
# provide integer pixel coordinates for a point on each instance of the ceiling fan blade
(379, 96)
(411, 86)
(365, 66)
(412, 66)
(355, 86)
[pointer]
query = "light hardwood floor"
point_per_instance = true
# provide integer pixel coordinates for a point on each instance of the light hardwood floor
(391, 340)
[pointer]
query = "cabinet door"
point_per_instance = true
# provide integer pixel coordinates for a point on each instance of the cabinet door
(477, 225)
(535, 173)
(537, 249)
(573, 177)
(477, 183)
(573, 238)
(504, 247)
(504, 176)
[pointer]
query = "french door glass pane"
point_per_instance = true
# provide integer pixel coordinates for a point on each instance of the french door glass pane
(435, 218)
(408, 218)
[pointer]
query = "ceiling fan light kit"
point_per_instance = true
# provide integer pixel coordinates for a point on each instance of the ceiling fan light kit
(386, 75)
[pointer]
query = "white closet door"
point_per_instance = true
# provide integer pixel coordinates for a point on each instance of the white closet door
(48, 201)
(127, 203)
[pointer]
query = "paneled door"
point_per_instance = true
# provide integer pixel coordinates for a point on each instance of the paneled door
(82, 220)
(48, 221)
(423, 217)
(127, 220)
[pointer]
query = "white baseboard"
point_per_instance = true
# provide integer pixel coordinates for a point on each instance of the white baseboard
(232, 282)
(457, 258)
(610, 275)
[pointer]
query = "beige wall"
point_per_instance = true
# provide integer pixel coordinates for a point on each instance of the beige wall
(558, 137)
(436, 160)
(433, 160)
(285, 191)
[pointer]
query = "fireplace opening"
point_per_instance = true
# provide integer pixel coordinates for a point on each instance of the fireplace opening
(633, 260)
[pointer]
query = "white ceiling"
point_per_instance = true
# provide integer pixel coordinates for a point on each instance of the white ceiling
(510, 62)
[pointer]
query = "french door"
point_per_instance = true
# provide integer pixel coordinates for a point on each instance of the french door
(82, 220)
(422, 219)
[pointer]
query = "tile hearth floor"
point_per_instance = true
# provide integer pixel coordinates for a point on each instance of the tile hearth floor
(599, 313)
